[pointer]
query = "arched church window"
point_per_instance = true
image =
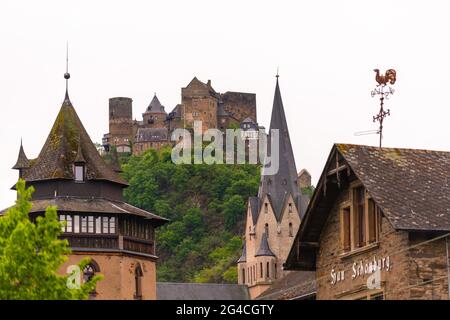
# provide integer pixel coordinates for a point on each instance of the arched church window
(266, 208)
(267, 270)
(138, 282)
(266, 229)
(291, 232)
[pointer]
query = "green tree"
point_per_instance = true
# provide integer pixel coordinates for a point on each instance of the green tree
(31, 253)
(206, 205)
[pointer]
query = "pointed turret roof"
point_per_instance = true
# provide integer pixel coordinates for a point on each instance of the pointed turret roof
(278, 186)
(155, 105)
(243, 257)
(264, 249)
(22, 160)
(66, 143)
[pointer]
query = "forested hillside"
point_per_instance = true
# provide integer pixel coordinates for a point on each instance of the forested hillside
(206, 205)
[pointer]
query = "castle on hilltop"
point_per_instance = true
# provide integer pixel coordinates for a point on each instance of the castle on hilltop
(199, 102)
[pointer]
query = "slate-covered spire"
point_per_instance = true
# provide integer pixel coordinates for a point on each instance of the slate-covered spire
(264, 249)
(68, 143)
(22, 160)
(155, 105)
(243, 257)
(278, 186)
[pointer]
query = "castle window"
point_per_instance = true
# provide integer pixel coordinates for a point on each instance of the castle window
(76, 224)
(98, 225)
(79, 172)
(267, 270)
(83, 224)
(291, 232)
(105, 225)
(266, 208)
(68, 223)
(275, 271)
(112, 225)
(266, 229)
(243, 275)
(261, 270)
(138, 282)
(290, 207)
(90, 270)
(62, 219)
(91, 224)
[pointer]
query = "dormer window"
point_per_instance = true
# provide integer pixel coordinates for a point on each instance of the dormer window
(79, 172)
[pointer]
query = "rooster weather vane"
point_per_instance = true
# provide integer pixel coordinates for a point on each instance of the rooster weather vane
(384, 90)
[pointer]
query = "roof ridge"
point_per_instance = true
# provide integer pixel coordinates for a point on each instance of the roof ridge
(386, 148)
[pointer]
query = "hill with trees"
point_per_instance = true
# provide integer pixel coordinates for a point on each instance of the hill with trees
(206, 205)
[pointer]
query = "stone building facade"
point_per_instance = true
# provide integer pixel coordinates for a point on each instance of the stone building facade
(273, 217)
(119, 238)
(378, 225)
(199, 102)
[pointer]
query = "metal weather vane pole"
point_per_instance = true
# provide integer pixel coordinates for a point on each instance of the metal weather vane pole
(384, 91)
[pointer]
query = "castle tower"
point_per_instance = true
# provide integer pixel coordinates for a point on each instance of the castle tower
(155, 115)
(274, 216)
(120, 133)
(118, 238)
(199, 103)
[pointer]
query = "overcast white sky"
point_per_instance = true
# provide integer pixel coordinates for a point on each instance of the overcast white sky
(326, 51)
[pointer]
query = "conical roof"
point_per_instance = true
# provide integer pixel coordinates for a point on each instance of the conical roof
(66, 143)
(264, 249)
(22, 160)
(155, 105)
(279, 185)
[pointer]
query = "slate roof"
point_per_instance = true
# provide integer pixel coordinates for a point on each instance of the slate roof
(254, 207)
(264, 249)
(92, 205)
(284, 182)
(200, 291)
(155, 106)
(151, 134)
(295, 285)
(65, 141)
(243, 257)
(411, 186)
(22, 160)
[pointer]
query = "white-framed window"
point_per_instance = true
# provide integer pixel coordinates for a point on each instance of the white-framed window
(79, 172)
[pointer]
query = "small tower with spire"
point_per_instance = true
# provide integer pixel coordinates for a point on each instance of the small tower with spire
(273, 217)
(22, 161)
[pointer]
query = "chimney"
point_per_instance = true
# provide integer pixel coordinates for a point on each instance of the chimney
(209, 83)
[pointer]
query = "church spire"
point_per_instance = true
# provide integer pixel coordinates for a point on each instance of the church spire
(67, 75)
(279, 185)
